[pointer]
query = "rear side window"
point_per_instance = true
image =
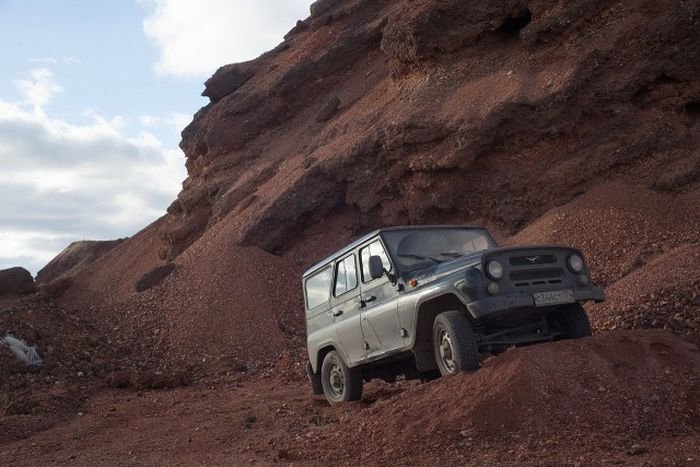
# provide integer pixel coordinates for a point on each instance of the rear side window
(318, 288)
(346, 276)
(373, 249)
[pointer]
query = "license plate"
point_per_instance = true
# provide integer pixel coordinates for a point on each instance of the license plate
(556, 297)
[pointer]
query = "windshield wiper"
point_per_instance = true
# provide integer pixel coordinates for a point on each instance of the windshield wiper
(415, 256)
(452, 254)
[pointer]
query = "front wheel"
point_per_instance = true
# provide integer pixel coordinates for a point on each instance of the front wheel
(573, 320)
(454, 344)
(340, 383)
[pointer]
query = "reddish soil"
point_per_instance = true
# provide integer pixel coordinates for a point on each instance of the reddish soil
(624, 398)
(572, 122)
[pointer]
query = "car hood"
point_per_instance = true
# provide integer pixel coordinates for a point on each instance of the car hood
(438, 271)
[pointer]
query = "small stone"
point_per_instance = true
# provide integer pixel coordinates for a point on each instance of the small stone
(636, 449)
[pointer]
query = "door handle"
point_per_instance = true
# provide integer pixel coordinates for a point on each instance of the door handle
(337, 312)
(365, 301)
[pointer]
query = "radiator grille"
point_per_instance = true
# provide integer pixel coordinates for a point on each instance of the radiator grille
(532, 260)
(536, 277)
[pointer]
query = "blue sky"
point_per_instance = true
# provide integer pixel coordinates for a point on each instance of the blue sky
(93, 96)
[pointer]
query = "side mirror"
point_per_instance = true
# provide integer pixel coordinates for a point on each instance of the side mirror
(376, 267)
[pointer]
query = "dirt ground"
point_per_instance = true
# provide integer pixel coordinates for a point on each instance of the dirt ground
(623, 398)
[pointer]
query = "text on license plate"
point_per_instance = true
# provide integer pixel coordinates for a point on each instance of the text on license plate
(555, 297)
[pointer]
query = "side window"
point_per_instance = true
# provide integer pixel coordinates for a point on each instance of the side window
(373, 249)
(318, 288)
(345, 276)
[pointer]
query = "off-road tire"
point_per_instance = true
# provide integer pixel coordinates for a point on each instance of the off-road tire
(453, 335)
(574, 321)
(332, 370)
(314, 380)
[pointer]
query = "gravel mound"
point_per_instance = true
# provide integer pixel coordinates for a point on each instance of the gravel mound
(550, 403)
(74, 257)
(665, 293)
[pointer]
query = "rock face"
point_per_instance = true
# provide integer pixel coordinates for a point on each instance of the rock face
(452, 111)
(17, 281)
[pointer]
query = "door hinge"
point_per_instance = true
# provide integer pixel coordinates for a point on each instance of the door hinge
(403, 333)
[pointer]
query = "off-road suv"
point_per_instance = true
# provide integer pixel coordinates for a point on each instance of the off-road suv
(428, 301)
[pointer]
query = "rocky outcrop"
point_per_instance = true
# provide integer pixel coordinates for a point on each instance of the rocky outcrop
(451, 111)
(227, 79)
(16, 281)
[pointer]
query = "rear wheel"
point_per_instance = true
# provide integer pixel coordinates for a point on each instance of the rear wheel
(314, 379)
(340, 383)
(454, 343)
(573, 320)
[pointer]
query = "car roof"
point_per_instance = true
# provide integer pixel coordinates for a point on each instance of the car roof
(329, 259)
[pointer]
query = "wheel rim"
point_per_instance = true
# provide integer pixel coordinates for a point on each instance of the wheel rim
(336, 381)
(446, 353)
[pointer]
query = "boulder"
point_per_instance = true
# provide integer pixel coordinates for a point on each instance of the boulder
(227, 79)
(320, 7)
(16, 281)
(154, 277)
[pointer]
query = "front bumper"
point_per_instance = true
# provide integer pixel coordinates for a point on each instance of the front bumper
(497, 305)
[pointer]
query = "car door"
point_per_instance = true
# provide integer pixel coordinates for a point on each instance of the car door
(346, 309)
(380, 316)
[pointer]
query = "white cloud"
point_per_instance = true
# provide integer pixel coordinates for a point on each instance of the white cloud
(39, 88)
(44, 60)
(195, 38)
(71, 61)
(62, 182)
(177, 121)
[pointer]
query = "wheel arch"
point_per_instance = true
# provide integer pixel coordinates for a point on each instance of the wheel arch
(321, 354)
(427, 312)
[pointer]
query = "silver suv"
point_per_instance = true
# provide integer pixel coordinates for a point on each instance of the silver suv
(428, 301)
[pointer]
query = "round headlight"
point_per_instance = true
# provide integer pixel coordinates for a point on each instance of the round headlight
(494, 269)
(493, 288)
(582, 280)
(576, 263)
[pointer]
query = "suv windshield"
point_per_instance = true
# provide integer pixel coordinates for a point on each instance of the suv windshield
(419, 248)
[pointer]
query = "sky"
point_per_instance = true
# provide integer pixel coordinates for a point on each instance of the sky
(93, 97)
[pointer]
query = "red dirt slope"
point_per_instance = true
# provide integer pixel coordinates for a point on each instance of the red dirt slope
(628, 397)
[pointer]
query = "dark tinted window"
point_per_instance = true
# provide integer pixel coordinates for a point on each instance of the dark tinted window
(373, 249)
(346, 276)
(318, 288)
(418, 248)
